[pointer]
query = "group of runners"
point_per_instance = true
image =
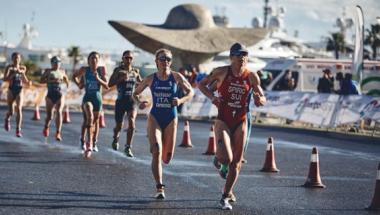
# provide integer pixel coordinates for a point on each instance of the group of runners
(230, 88)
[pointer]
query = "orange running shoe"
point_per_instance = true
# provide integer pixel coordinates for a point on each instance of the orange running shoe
(45, 132)
(18, 133)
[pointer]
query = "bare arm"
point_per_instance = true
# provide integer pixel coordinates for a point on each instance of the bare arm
(77, 77)
(146, 82)
(185, 85)
(217, 75)
(44, 76)
(102, 78)
(25, 79)
(258, 96)
(7, 75)
(66, 79)
(115, 78)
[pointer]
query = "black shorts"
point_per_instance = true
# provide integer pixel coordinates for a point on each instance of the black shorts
(54, 96)
(122, 106)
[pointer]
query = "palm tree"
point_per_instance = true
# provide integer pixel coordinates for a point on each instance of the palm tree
(74, 52)
(336, 43)
(373, 39)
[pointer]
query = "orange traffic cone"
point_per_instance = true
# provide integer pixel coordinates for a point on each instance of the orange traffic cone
(314, 179)
(186, 141)
(211, 143)
(270, 161)
(375, 205)
(102, 122)
(36, 115)
(66, 115)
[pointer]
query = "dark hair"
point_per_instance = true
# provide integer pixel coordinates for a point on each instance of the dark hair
(14, 54)
(91, 54)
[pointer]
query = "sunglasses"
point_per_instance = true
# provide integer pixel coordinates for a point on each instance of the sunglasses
(128, 57)
(240, 54)
(164, 58)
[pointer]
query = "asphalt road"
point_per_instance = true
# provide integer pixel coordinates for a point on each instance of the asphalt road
(39, 176)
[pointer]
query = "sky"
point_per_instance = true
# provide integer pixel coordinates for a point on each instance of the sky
(83, 23)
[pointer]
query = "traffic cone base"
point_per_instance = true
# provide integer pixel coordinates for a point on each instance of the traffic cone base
(375, 204)
(314, 179)
(186, 141)
(270, 161)
(211, 148)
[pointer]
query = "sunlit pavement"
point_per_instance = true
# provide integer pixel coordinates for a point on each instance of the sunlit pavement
(39, 176)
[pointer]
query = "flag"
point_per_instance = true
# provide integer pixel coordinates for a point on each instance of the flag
(357, 60)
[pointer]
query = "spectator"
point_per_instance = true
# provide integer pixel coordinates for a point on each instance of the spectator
(193, 73)
(265, 79)
(326, 82)
(287, 83)
(339, 78)
(349, 86)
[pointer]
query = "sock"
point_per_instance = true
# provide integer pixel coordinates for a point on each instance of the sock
(224, 168)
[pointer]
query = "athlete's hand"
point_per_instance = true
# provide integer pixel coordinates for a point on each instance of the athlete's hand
(259, 100)
(216, 101)
(175, 101)
(143, 105)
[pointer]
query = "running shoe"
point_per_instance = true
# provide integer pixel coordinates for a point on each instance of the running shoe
(128, 151)
(244, 160)
(45, 132)
(58, 136)
(95, 147)
(225, 203)
(7, 124)
(216, 163)
(115, 144)
(18, 133)
(160, 194)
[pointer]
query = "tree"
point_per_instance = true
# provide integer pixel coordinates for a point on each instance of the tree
(74, 52)
(336, 43)
(372, 39)
(33, 71)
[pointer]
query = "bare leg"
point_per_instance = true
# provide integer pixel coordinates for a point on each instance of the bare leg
(155, 136)
(95, 126)
(237, 144)
(83, 128)
(49, 112)
(89, 121)
(223, 149)
(168, 143)
(19, 103)
(59, 108)
(10, 102)
(131, 127)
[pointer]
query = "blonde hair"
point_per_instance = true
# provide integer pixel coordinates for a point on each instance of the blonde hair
(162, 50)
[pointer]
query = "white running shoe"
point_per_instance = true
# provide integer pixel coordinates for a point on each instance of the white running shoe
(225, 204)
